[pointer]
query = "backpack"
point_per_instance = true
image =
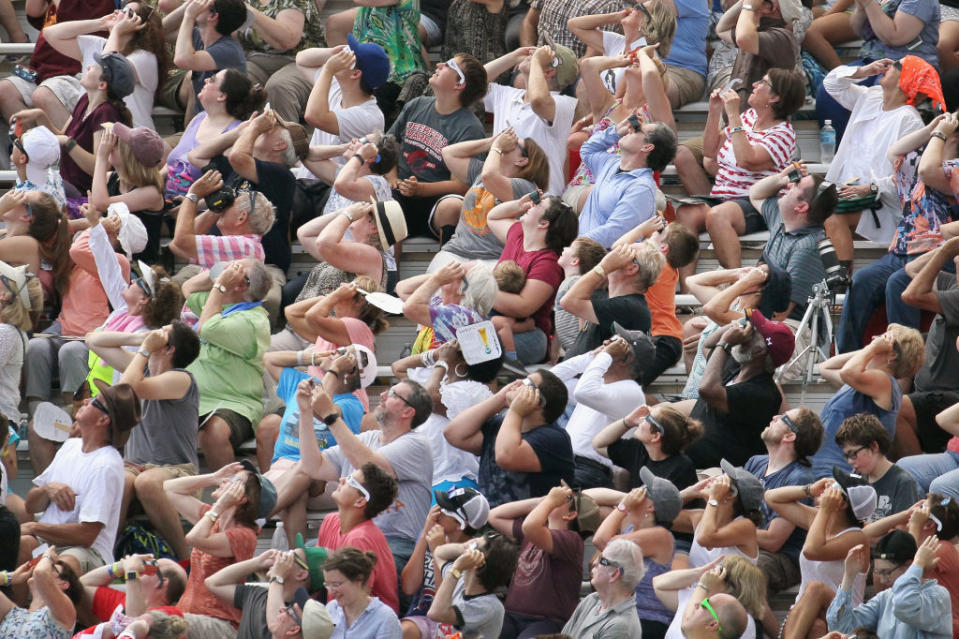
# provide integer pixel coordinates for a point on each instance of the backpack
(137, 540)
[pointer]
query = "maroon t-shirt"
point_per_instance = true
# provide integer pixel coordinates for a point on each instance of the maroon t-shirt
(542, 265)
(81, 128)
(547, 585)
(47, 61)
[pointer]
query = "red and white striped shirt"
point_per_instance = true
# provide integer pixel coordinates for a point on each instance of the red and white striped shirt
(733, 181)
(211, 249)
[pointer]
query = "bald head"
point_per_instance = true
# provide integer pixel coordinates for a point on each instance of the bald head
(732, 618)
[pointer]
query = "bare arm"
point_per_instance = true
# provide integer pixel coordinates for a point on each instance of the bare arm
(586, 28)
(283, 32)
(897, 31)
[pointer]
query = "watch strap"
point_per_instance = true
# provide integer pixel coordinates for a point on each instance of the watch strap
(193, 197)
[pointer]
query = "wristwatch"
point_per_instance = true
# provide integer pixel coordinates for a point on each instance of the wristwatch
(621, 507)
(599, 270)
(712, 502)
(219, 287)
(193, 197)
(456, 573)
(726, 346)
(132, 575)
(278, 579)
(330, 419)
(873, 188)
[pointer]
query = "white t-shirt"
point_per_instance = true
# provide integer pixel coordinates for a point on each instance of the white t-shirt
(140, 102)
(354, 122)
(613, 45)
(97, 479)
(511, 110)
(12, 345)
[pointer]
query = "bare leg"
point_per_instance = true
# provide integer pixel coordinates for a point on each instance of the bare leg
(839, 228)
(809, 609)
(41, 450)
(294, 518)
(8, 18)
(44, 98)
(691, 332)
(266, 434)
(725, 223)
(906, 440)
(504, 330)
(817, 42)
(149, 490)
(692, 217)
(338, 25)
(214, 439)
(290, 487)
(10, 100)
(410, 630)
(126, 500)
(948, 47)
(691, 173)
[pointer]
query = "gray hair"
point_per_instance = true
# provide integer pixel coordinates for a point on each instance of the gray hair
(289, 153)
(481, 288)
(629, 557)
(651, 262)
(263, 213)
(260, 281)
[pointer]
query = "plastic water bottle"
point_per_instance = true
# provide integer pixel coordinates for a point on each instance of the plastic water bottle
(827, 143)
(280, 542)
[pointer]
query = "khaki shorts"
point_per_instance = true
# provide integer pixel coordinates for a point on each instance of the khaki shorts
(573, 194)
(683, 86)
(174, 470)
(66, 87)
(696, 146)
(88, 558)
(204, 627)
(168, 95)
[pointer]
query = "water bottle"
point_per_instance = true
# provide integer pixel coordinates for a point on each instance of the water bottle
(280, 542)
(827, 143)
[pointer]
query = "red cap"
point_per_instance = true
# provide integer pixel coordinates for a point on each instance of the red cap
(780, 341)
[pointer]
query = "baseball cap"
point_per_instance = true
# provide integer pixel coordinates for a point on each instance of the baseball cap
(117, 73)
(775, 296)
(897, 546)
(664, 494)
(567, 66)
(465, 505)
(861, 496)
(43, 151)
(372, 60)
(147, 145)
(267, 490)
(133, 234)
(315, 558)
(316, 622)
(642, 344)
(748, 486)
(779, 338)
(587, 514)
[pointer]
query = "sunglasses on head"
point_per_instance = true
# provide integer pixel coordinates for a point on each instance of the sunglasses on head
(451, 63)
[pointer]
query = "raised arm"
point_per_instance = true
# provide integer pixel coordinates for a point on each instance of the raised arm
(897, 31)
(536, 524)
(283, 32)
(465, 430)
(537, 90)
(591, 70)
(586, 28)
(62, 36)
(931, 171)
(820, 547)
(318, 113)
(417, 306)
(185, 55)
(872, 382)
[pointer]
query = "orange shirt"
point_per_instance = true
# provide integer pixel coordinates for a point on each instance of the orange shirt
(85, 304)
(661, 298)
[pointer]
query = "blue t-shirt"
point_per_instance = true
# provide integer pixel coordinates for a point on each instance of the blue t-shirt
(846, 403)
(924, 46)
(795, 474)
(288, 441)
(689, 44)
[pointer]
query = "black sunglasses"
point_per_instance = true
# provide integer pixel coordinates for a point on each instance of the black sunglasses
(96, 403)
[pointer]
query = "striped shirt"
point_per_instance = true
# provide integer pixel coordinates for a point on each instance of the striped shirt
(211, 249)
(733, 181)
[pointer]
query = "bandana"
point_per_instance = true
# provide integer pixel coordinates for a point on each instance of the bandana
(919, 77)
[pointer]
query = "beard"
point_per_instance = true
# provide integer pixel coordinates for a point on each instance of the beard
(747, 351)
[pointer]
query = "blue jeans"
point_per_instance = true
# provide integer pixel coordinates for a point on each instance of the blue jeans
(828, 109)
(938, 473)
(883, 280)
(530, 346)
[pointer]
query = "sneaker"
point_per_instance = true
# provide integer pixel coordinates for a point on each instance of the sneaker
(512, 367)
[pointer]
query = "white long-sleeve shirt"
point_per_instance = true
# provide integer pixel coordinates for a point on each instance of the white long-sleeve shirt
(862, 152)
(597, 403)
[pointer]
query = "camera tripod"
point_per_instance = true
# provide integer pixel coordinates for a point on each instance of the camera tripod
(821, 337)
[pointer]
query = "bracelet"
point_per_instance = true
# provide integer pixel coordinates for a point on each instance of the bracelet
(4, 578)
(144, 353)
(807, 491)
(347, 215)
(497, 150)
(299, 358)
(938, 134)
(736, 129)
(69, 146)
(333, 372)
(703, 586)
(599, 270)
(113, 570)
(212, 515)
(444, 366)
(359, 157)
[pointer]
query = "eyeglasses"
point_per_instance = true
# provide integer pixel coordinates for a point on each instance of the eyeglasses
(639, 6)
(852, 454)
(96, 403)
(712, 612)
(522, 149)
(765, 80)
(354, 483)
(527, 382)
(655, 424)
(451, 63)
(897, 64)
(603, 561)
(393, 393)
(291, 611)
(789, 423)
(885, 574)
(139, 281)
(299, 561)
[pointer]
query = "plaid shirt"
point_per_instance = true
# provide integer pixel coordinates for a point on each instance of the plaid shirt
(211, 249)
(554, 14)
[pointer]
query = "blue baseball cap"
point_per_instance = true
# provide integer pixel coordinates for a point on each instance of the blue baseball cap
(371, 60)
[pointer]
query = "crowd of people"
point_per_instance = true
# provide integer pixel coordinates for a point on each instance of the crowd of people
(189, 392)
